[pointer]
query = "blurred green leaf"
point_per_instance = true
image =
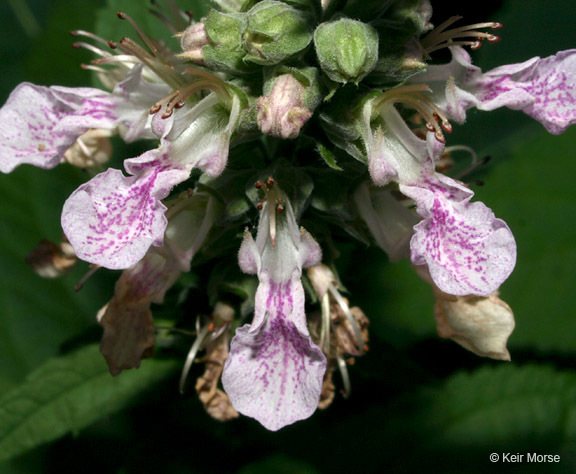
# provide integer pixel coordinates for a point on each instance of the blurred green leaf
(454, 427)
(66, 394)
(278, 464)
(499, 406)
(37, 314)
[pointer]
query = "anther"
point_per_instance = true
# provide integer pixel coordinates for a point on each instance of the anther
(180, 104)
(167, 114)
(442, 37)
(279, 208)
(438, 135)
(121, 15)
(155, 109)
(112, 44)
(260, 206)
(258, 184)
(270, 182)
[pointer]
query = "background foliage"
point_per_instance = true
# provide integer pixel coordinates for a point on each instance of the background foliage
(417, 402)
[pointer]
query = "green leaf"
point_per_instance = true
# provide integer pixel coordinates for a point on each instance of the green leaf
(38, 314)
(454, 427)
(503, 406)
(67, 394)
(278, 464)
(328, 157)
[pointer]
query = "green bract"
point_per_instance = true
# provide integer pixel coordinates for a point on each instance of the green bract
(275, 32)
(347, 49)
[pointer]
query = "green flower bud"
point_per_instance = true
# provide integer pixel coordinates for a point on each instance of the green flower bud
(224, 51)
(347, 49)
(275, 32)
(233, 6)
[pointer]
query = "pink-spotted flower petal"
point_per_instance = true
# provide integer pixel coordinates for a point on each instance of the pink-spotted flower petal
(544, 88)
(467, 249)
(274, 372)
(38, 124)
(112, 220)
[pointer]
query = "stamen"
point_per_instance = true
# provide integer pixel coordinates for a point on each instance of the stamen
(412, 96)
(89, 273)
(90, 35)
(202, 333)
(440, 37)
(163, 70)
(325, 326)
(346, 309)
(343, 368)
(164, 19)
(180, 19)
(143, 36)
(90, 47)
(273, 198)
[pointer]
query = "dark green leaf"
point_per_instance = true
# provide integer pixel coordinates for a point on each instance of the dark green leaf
(67, 394)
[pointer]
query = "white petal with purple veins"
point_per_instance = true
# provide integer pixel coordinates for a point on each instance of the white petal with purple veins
(112, 220)
(38, 124)
(550, 82)
(274, 372)
(467, 249)
(545, 89)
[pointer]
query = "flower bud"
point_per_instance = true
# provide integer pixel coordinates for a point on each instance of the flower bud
(281, 113)
(288, 102)
(193, 39)
(231, 6)
(347, 49)
(224, 32)
(275, 32)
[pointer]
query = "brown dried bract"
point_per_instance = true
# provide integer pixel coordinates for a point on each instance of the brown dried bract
(215, 401)
(128, 334)
(50, 260)
(328, 387)
(344, 335)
